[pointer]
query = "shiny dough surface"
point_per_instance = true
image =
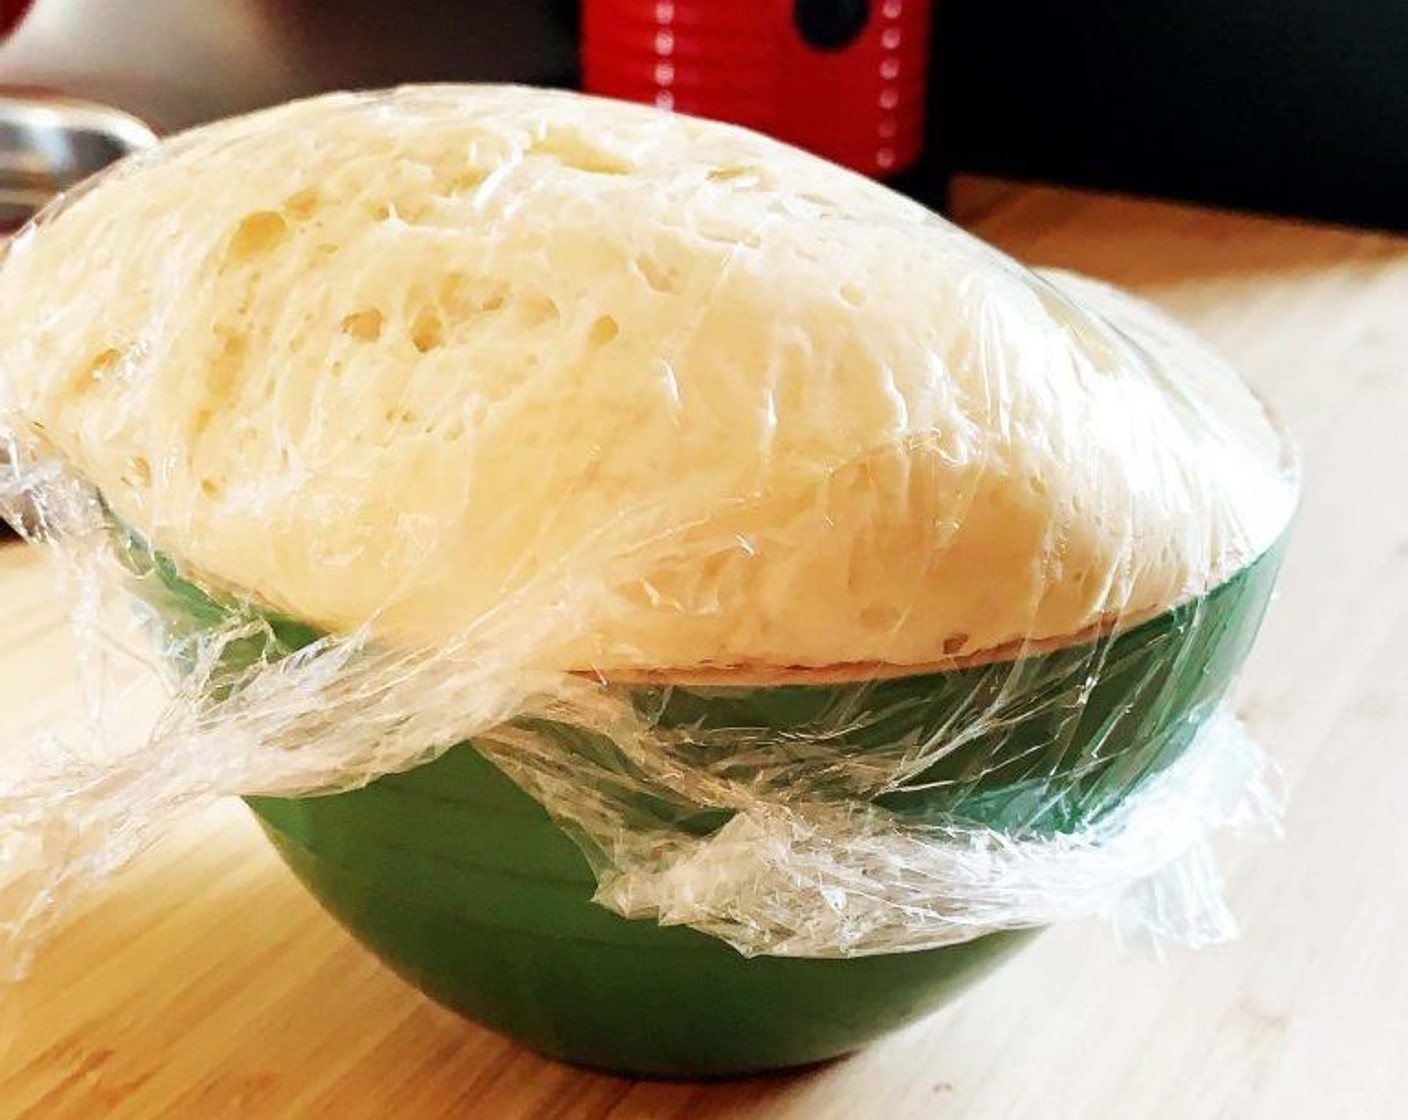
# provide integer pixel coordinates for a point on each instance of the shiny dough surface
(396, 359)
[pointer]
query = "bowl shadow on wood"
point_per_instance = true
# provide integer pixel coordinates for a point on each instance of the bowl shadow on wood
(208, 958)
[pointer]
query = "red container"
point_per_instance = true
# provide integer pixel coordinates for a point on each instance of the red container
(842, 78)
(11, 12)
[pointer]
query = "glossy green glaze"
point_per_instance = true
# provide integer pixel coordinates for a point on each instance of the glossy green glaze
(462, 883)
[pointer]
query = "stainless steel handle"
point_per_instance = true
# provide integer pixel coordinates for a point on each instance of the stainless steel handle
(50, 143)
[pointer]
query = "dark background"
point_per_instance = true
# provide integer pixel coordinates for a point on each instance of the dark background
(1291, 106)
(1296, 106)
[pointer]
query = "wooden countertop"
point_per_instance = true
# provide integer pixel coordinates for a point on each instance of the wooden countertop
(206, 984)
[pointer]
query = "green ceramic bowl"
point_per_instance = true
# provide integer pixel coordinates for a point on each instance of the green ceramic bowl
(463, 885)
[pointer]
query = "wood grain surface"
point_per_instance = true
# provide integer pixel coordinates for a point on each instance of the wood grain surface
(204, 983)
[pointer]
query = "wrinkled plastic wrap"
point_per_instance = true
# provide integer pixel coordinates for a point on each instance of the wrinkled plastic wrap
(864, 593)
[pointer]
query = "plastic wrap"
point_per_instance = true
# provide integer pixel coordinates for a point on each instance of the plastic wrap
(840, 586)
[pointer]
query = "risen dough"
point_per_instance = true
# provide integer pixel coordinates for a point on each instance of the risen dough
(396, 357)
